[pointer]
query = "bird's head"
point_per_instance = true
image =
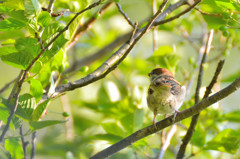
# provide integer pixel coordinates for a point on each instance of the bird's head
(159, 71)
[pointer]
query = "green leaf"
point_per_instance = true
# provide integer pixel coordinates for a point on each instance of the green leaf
(59, 61)
(199, 136)
(214, 22)
(4, 114)
(232, 116)
(36, 67)
(226, 141)
(36, 89)
(4, 9)
(5, 50)
(8, 42)
(32, 8)
(11, 24)
(138, 119)
(28, 46)
(57, 45)
(14, 4)
(39, 111)
(127, 123)
(26, 105)
(44, 18)
(35, 125)
(163, 50)
(18, 60)
(13, 146)
(113, 128)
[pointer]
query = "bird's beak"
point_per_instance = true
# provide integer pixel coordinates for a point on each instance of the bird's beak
(149, 74)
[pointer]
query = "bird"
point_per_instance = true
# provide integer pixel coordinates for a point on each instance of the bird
(165, 93)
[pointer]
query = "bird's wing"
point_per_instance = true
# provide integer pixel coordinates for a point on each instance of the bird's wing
(175, 87)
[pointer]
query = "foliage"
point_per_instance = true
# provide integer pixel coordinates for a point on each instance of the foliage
(109, 110)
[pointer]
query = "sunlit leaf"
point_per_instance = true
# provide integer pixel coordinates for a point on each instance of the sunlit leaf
(4, 114)
(44, 18)
(138, 119)
(199, 136)
(113, 128)
(14, 4)
(26, 105)
(13, 146)
(7, 50)
(11, 24)
(35, 125)
(214, 22)
(39, 111)
(226, 141)
(232, 116)
(36, 89)
(32, 8)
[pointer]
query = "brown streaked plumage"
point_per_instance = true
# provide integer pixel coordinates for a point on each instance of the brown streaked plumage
(165, 94)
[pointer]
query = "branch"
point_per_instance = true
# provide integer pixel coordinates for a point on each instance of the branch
(111, 63)
(124, 15)
(34, 140)
(206, 102)
(95, 56)
(191, 129)
(24, 143)
(50, 6)
(18, 85)
(7, 85)
(82, 28)
(166, 143)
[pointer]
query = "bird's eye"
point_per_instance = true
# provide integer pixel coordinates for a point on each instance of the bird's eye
(150, 91)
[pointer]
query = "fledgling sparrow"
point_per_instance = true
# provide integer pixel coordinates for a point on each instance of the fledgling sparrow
(165, 94)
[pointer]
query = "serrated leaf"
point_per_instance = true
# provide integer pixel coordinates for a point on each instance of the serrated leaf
(13, 146)
(35, 125)
(28, 45)
(32, 8)
(18, 60)
(226, 141)
(11, 24)
(36, 67)
(5, 9)
(26, 105)
(214, 22)
(5, 50)
(36, 89)
(44, 18)
(38, 112)
(14, 4)
(59, 61)
(113, 128)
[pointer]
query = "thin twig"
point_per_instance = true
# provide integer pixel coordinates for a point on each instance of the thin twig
(168, 138)
(34, 142)
(206, 102)
(178, 15)
(24, 143)
(190, 131)
(86, 25)
(154, 32)
(18, 85)
(7, 85)
(50, 6)
(124, 15)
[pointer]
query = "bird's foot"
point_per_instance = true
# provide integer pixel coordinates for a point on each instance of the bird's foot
(154, 123)
(174, 115)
